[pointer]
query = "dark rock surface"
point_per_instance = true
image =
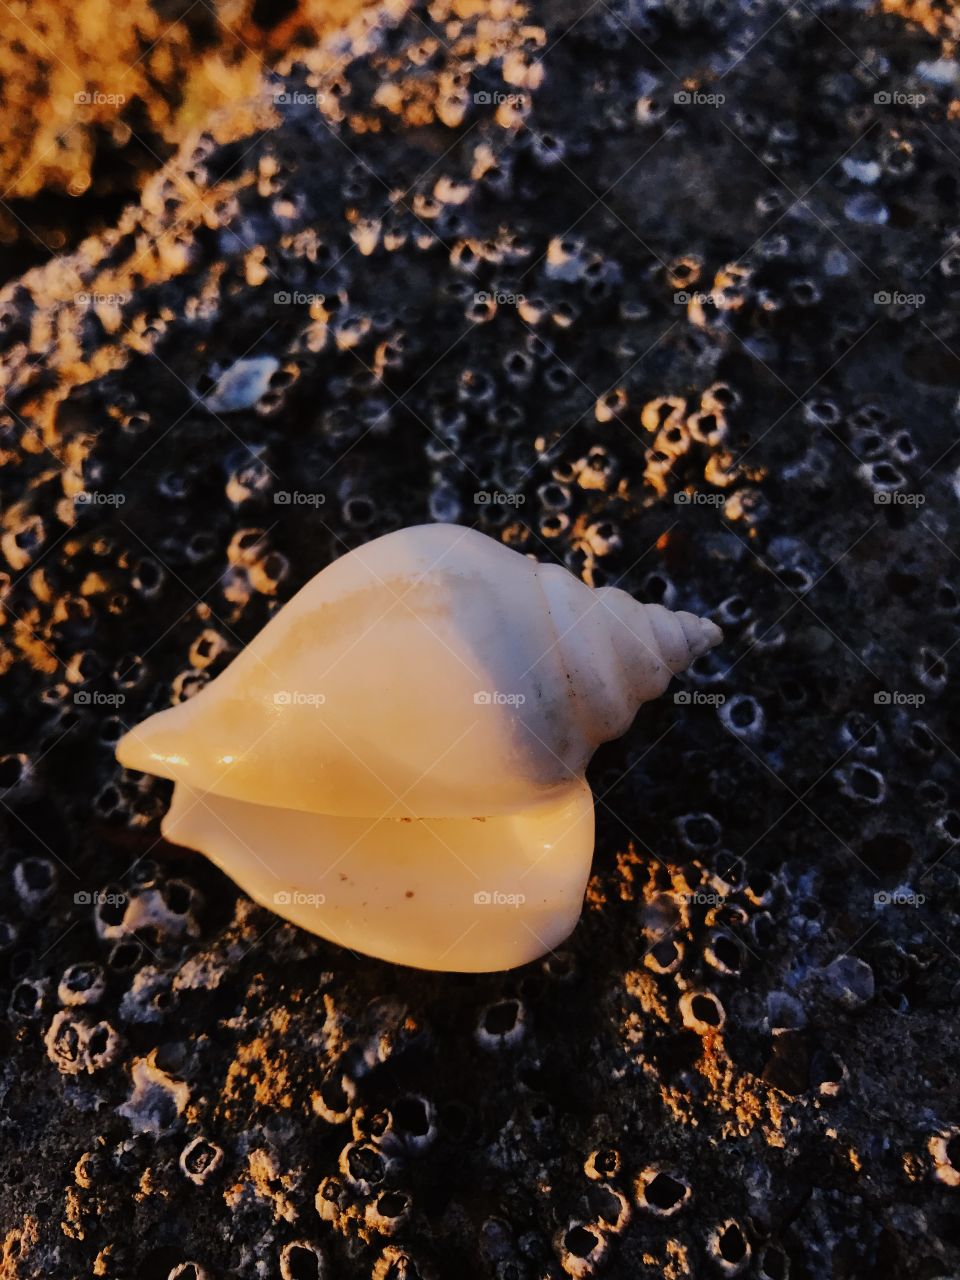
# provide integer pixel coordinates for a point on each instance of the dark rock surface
(452, 251)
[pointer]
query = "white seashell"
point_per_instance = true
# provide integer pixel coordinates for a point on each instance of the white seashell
(396, 762)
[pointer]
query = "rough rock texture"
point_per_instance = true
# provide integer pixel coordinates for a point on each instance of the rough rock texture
(703, 348)
(93, 96)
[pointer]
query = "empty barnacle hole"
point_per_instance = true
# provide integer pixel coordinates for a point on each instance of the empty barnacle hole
(396, 1263)
(774, 1264)
(581, 1247)
(302, 1260)
(932, 670)
(26, 999)
(743, 715)
(860, 782)
(125, 956)
(501, 1024)
(699, 831)
(332, 1199)
(414, 1120)
(727, 914)
(733, 611)
(724, 953)
(187, 684)
(363, 1166)
(608, 1208)
(728, 1248)
(602, 1163)
(947, 826)
(944, 1149)
(759, 887)
(658, 413)
(388, 1212)
(81, 983)
(359, 511)
(207, 647)
(374, 1126)
(34, 880)
(200, 1159)
(702, 1012)
(683, 271)
(931, 794)
(665, 956)
(16, 774)
(560, 965)
(661, 1193)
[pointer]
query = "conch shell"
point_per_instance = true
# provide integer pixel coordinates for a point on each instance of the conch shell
(396, 762)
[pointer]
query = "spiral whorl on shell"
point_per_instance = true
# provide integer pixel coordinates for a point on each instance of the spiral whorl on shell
(434, 680)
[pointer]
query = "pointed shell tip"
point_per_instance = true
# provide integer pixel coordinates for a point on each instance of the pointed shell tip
(710, 636)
